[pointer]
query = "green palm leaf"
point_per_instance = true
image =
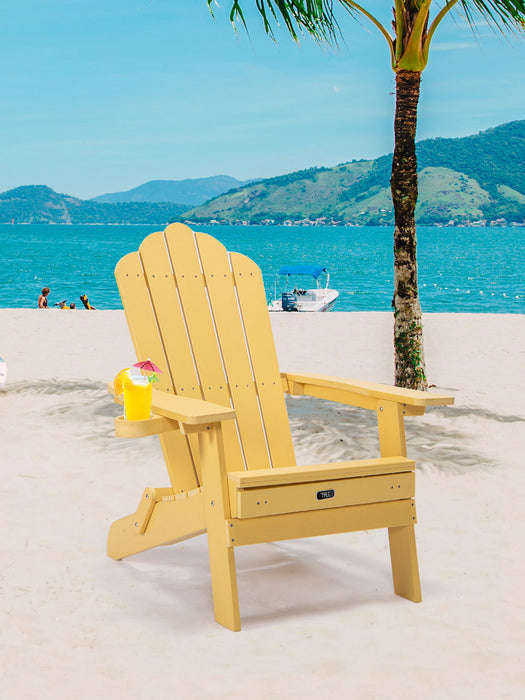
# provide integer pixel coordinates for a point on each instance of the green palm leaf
(501, 13)
(316, 17)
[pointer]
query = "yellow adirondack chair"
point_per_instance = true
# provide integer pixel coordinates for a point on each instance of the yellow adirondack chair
(200, 313)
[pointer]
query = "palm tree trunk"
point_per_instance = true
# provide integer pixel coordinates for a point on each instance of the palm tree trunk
(408, 329)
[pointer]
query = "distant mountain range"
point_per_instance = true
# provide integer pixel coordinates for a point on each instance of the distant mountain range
(156, 202)
(191, 192)
(476, 179)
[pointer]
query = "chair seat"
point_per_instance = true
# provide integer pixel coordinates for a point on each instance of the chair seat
(261, 492)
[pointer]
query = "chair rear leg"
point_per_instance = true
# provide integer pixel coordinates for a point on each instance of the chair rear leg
(405, 569)
(162, 517)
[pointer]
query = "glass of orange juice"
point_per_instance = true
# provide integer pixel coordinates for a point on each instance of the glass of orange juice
(137, 398)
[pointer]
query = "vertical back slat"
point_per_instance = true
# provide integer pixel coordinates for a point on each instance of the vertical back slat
(156, 263)
(261, 346)
(201, 330)
(226, 314)
(140, 315)
(163, 290)
(148, 343)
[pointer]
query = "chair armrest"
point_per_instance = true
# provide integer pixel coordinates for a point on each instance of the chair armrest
(188, 411)
(171, 412)
(360, 394)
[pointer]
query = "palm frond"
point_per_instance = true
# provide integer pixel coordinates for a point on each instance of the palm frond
(503, 14)
(315, 17)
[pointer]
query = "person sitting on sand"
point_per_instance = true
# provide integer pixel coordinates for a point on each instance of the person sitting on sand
(85, 301)
(72, 305)
(42, 299)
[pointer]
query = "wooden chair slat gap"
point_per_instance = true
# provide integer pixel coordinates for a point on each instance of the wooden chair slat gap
(139, 310)
(227, 374)
(199, 324)
(190, 345)
(251, 296)
(182, 316)
(221, 357)
(160, 282)
(254, 376)
(142, 323)
(192, 449)
(227, 322)
(183, 319)
(168, 371)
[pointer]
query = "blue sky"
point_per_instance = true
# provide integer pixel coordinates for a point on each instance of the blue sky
(102, 95)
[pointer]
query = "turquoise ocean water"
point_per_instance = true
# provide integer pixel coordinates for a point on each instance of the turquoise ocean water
(472, 270)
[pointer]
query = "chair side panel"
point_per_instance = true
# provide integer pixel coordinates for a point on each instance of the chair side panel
(148, 343)
(261, 346)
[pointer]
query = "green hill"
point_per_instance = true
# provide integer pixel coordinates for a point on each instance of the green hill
(480, 177)
(40, 204)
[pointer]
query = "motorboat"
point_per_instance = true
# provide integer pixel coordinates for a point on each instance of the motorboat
(318, 298)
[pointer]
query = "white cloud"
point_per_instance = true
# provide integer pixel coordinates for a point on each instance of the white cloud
(453, 46)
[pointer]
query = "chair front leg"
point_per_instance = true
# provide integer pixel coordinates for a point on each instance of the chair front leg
(402, 540)
(217, 511)
(405, 570)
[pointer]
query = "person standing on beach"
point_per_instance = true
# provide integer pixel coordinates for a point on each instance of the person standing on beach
(42, 299)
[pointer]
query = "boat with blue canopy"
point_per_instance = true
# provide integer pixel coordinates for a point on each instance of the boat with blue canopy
(319, 298)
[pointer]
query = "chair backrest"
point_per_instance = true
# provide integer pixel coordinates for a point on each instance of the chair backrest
(200, 314)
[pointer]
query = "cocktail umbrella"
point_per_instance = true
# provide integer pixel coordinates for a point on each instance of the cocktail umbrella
(147, 366)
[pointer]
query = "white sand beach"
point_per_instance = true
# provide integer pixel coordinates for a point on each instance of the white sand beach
(319, 615)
